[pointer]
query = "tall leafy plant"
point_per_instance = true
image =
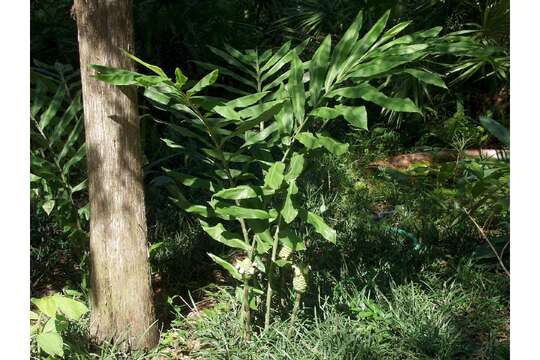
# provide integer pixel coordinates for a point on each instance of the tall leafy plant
(249, 174)
(57, 153)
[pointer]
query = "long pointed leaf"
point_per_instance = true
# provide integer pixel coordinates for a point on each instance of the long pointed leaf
(317, 69)
(296, 88)
(343, 49)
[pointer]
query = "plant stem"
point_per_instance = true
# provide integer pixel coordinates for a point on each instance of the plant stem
(295, 309)
(245, 313)
(485, 237)
(270, 289)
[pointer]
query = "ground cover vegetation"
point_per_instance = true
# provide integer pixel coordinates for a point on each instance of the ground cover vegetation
(339, 191)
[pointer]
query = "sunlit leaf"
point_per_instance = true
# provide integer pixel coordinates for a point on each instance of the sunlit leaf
(289, 212)
(321, 227)
(227, 266)
(220, 234)
(296, 88)
(51, 343)
(238, 193)
(317, 69)
(73, 309)
(427, 77)
(204, 82)
(154, 68)
(274, 176)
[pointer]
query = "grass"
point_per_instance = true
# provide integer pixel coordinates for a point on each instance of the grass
(440, 318)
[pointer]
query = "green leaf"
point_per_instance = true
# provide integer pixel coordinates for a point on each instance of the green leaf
(51, 343)
(283, 50)
(238, 193)
(220, 234)
(401, 51)
(188, 133)
(392, 32)
(317, 69)
(343, 50)
(241, 212)
(311, 141)
(408, 39)
(335, 147)
(362, 46)
(71, 308)
(81, 186)
(354, 115)
(274, 176)
(71, 113)
(369, 93)
(308, 140)
(53, 108)
(496, 129)
(256, 111)
(296, 88)
(227, 112)
(118, 77)
(226, 72)
(369, 39)
(289, 212)
(73, 136)
(321, 227)
(325, 113)
(152, 249)
(201, 210)
(39, 97)
(50, 326)
(232, 61)
(155, 94)
(172, 144)
(296, 166)
(382, 64)
(154, 68)
(247, 100)
(289, 239)
(204, 82)
(262, 234)
(84, 212)
(256, 137)
(285, 119)
(78, 156)
(277, 66)
(180, 78)
(48, 206)
(427, 77)
(46, 305)
(264, 241)
(227, 266)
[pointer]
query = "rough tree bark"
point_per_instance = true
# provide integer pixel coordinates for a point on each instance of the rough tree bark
(121, 294)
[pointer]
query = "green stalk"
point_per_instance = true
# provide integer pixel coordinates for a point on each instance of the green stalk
(270, 289)
(296, 307)
(245, 313)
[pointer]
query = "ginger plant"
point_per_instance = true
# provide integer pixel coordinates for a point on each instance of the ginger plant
(248, 173)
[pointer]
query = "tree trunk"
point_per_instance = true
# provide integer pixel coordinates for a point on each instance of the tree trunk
(121, 299)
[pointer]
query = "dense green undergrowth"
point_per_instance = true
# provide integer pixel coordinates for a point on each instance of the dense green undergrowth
(418, 293)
